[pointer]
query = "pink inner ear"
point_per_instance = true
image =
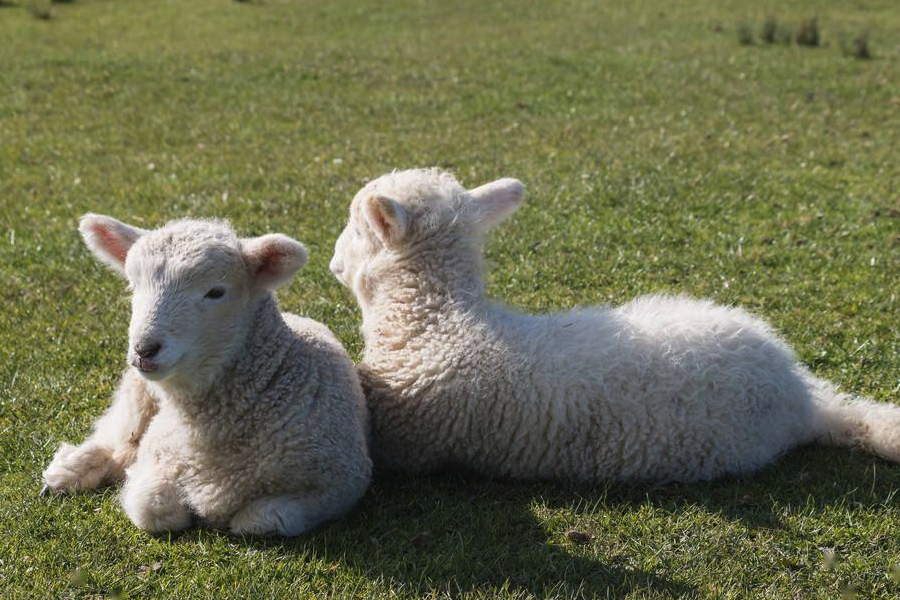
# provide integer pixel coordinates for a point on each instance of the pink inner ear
(111, 243)
(269, 261)
(380, 221)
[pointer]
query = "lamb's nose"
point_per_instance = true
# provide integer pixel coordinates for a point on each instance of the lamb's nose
(147, 349)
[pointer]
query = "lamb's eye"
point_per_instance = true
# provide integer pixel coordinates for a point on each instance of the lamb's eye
(214, 293)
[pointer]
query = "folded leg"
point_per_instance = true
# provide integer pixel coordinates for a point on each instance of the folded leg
(271, 515)
(103, 457)
(151, 500)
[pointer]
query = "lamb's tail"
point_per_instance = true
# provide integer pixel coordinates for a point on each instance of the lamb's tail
(851, 421)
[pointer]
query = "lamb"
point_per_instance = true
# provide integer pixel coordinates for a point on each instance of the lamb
(663, 388)
(230, 410)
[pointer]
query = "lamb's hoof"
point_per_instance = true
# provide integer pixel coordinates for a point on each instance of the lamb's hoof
(275, 515)
(177, 520)
(254, 529)
(45, 491)
(75, 468)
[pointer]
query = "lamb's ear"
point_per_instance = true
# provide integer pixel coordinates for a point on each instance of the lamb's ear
(493, 202)
(108, 239)
(387, 218)
(273, 259)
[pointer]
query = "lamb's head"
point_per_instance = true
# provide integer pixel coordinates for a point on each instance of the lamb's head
(406, 215)
(194, 286)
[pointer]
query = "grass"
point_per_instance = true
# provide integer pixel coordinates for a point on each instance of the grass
(808, 33)
(41, 9)
(773, 32)
(858, 47)
(769, 31)
(745, 34)
(659, 155)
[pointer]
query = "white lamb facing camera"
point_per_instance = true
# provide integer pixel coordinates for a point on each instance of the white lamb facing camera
(664, 388)
(231, 411)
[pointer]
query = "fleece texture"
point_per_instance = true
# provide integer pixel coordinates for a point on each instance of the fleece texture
(231, 413)
(663, 388)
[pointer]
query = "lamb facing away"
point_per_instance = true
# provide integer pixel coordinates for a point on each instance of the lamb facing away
(662, 388)
(232, 411)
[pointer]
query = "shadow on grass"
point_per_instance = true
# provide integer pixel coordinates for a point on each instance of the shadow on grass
(458, 533)
(455, 534)
(812, 477)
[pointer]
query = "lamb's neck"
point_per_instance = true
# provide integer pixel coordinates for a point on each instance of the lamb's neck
(251, 365)
(413, 305)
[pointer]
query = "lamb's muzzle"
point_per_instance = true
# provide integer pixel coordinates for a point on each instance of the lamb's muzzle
(145, 352)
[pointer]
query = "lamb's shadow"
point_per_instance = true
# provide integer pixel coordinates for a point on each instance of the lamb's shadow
(810, 478)
(457, 533)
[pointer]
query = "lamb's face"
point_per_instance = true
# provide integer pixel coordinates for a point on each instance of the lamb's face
(194, 285)
(190, 296)
(408, 212)
(354, 248)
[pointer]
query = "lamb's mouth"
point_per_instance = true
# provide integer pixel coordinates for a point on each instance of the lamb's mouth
(144, 365)
(151, 369)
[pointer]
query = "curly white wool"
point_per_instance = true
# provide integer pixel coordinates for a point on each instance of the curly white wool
(231, 411)
(662, 388)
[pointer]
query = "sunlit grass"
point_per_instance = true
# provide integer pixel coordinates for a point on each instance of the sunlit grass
(659, 154)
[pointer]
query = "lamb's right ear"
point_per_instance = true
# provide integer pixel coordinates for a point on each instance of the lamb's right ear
(273, 259)
(387, 218)
(493, 202)
(108, 239)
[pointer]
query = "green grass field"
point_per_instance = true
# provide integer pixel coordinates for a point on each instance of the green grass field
(660, 155)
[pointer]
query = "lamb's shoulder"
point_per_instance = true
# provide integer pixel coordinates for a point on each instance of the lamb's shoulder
(322, 356)
(310, 330)
(325, 380)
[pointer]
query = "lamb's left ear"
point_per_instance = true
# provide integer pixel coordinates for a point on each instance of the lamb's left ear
(493, 202)
(108, 239)
(387, 218)
(273, 259)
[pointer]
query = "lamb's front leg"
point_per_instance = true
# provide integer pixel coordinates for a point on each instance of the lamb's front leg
(103, 457)
(150, 497)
